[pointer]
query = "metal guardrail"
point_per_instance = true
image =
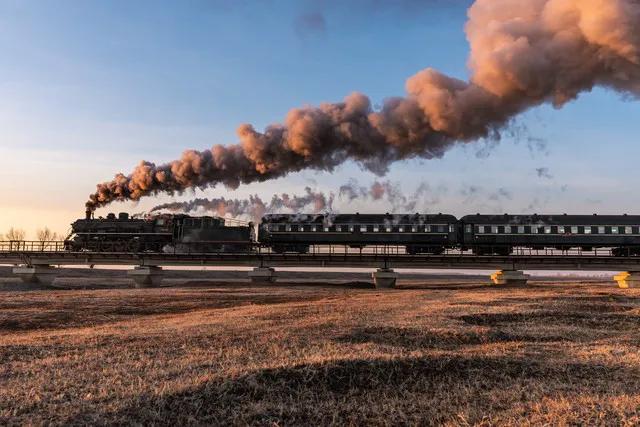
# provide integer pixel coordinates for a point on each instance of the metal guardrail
(31, 246)
(54, 253)
(233, 247)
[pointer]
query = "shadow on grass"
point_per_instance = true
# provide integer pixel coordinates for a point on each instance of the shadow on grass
(89, 311)
(599, 303)
(590, 319)
(445, 287)
(417, 339)
(429, 390)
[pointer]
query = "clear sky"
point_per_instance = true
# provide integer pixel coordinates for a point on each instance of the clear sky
(89, 88)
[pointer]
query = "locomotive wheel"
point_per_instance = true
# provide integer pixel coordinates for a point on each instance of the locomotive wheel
(133, 246)
(619, 252)
(120, 246)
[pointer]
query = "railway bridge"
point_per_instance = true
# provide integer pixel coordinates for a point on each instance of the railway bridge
(36, 262)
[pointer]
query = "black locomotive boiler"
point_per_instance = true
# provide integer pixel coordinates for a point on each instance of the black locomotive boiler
(161, 233)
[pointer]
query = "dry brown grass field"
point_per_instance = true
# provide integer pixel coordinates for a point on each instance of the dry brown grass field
(451, 352)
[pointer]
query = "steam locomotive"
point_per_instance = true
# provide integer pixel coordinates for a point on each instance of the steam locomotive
(418, 233)
(161, 233)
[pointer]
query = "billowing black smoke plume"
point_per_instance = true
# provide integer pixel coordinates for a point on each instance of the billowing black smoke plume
(523, 53)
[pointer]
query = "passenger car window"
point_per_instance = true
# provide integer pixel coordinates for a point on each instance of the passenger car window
(600, 230)
(414, 229)
(376, 228)
(494, 229)
(627, 230)
(587, 230)
(614, 230)
(547, 229)
(574, 230)
(481, 229)
(363, 228)
(521, 229)
(507, 229)
(427, 229)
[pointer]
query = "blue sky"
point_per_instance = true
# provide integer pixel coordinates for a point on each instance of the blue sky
(89, 88)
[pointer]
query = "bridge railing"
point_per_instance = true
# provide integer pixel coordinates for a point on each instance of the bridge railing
(231, 247)
(31, 246)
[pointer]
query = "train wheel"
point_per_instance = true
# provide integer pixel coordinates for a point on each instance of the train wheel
(619, 252)
(133, 246)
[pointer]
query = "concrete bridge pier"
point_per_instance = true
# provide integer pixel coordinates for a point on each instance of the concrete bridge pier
(628, 279)
(146, 276)
(36, 274)
(509, 278)
(263, 275)
(385, 278)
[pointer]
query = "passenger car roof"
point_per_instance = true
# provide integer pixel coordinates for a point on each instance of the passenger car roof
(561, 219)
(360, 218)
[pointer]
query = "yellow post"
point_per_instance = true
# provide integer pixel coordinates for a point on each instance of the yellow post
(628, 279)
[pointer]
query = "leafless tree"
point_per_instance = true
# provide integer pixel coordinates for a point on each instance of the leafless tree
(16, 237)
(15, 234)
(46, 235)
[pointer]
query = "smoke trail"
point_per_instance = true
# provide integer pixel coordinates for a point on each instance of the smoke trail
(384, 190)
(254, 207)
(544, 173)
(312, 201)
(523, 53)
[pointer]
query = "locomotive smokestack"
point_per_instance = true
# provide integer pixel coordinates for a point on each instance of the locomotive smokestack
(523, 54)
(88, 213)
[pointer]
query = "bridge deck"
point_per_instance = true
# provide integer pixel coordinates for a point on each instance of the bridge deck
(519, 261)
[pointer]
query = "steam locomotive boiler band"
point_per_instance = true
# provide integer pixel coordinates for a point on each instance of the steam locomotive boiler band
(418, 233)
